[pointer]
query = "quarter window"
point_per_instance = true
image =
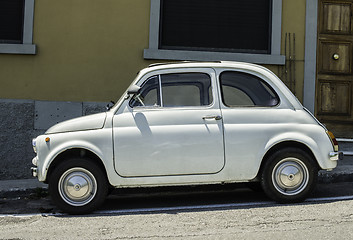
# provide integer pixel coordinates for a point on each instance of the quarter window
(150, 93)
(175, 90)
(245, 90)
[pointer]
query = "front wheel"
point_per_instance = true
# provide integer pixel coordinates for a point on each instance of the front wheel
(289, 175)
(78, 186)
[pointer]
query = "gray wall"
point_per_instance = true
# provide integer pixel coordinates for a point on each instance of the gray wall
(22, 120)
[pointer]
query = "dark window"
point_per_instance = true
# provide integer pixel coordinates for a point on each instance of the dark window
(186, 89)
(243, 89)
(175, 90)
(216, 25)
(11, 21)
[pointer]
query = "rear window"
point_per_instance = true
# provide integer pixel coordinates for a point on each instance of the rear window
(245, 90)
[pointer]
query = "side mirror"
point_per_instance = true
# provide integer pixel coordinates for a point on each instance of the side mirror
(134, 89)
(110, 105)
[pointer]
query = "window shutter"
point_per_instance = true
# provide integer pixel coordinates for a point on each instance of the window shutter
(216, 25)
(11, 21)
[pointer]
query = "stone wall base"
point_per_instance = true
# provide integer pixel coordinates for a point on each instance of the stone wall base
(22, 120)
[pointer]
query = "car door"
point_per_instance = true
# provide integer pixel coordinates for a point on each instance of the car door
(252, 114)
(172, 127)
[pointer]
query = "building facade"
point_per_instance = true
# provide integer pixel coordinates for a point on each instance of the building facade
(63, 59)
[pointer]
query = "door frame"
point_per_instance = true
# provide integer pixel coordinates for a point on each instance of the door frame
(311, 27)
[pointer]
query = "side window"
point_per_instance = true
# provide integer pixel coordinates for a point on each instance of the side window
(175, 90)
(186, 89)
(243, 89)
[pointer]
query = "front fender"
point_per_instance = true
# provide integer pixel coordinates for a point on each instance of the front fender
(43, 171)
(98, 142)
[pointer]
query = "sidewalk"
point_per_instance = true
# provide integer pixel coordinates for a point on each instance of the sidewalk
(343, 173)
(20, 185)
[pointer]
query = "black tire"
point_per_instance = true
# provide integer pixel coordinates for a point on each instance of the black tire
(255, 186)
(289, 175)
(78, 186)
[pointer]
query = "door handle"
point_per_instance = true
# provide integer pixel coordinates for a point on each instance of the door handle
(216, 117)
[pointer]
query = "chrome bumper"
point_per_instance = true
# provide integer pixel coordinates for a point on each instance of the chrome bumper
(34, 171)
(336, 156)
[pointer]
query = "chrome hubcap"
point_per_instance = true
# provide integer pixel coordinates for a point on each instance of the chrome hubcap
(290, 176)
(77, 186)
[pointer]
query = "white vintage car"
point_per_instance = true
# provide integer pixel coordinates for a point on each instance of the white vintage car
(188, 124)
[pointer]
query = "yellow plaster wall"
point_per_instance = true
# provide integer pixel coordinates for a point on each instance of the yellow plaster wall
(91, 50)
(88, 50)
(293, 22)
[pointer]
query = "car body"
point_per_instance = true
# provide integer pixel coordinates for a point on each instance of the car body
(188, 123)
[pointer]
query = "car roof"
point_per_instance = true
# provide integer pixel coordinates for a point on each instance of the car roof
(230, 65)
(197, 64)
(186, 64)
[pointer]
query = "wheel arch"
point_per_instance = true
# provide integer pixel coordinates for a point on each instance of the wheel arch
(283, 145)
(77, 153)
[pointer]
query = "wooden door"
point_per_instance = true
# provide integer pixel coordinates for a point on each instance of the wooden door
(334, 66)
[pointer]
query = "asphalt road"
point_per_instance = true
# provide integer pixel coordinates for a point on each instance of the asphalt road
(228, 212)
(167, 199)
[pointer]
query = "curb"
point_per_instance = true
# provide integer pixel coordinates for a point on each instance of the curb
(21, 185)
(339, 174)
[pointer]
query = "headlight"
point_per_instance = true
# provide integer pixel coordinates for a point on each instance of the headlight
(34, 144)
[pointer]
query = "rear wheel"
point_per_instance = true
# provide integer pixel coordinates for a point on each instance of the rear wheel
(78, 186)
(289, 175)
